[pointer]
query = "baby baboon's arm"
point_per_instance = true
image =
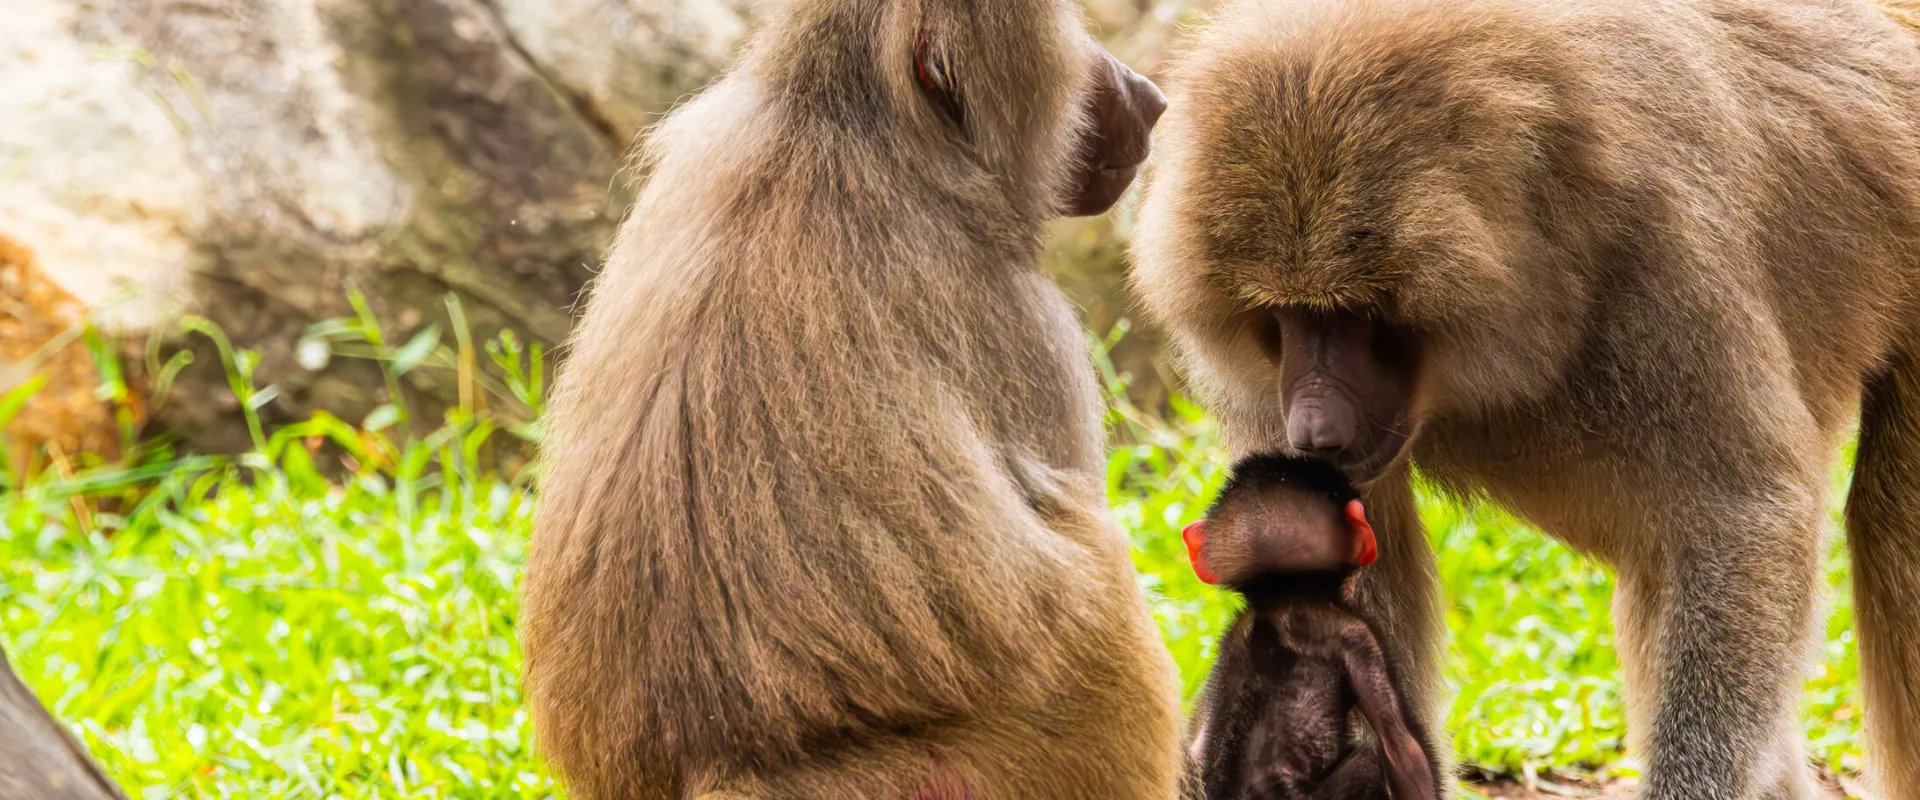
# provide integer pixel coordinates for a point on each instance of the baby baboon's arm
(1410, 773)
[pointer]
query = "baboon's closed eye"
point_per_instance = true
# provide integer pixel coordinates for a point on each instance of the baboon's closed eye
(935, 77)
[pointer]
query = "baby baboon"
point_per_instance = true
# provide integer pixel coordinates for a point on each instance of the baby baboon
(1289, 535)
(823, 513)
(1627, 267)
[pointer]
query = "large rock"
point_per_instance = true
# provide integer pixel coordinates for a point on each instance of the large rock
(254, 161)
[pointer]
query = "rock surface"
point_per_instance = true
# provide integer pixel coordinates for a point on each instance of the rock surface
(255, 161)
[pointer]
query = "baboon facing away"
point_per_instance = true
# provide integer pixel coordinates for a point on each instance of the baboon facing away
(823, 514)
(1627, 267)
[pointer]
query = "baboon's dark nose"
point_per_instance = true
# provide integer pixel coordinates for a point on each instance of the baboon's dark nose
(1148, 99)
(1323, 430)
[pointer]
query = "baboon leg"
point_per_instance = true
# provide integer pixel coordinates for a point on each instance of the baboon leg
(1637, 616)
(1400, 593)
(1731, 627)
(1636, 632)
(1883, 534)
(1356, 777)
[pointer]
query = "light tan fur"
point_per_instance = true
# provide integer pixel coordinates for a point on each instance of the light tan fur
(1653, 251)
(823, 513)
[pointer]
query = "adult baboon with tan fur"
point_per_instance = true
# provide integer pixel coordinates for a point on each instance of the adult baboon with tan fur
(1628, 267)
(824, 514)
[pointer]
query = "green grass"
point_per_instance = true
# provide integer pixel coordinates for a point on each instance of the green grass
(251, 630)
(1530, 662)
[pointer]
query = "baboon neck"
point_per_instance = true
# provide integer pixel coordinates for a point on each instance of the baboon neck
(1274, 591)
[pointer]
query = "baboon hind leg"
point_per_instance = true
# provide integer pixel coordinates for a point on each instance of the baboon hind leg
(1883, 534)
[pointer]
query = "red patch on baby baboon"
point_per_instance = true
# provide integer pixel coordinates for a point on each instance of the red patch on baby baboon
(1365, 549)
(1196, 539)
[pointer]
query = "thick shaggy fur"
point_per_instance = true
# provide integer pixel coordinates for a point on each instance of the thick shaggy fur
(823, 515)
(1654, 251)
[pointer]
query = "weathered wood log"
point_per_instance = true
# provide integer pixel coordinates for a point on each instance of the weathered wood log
(39, 758)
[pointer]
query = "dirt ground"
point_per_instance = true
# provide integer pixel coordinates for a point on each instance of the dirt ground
(38, 327)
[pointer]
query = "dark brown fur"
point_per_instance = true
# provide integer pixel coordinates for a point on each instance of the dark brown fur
(823, 514)
(1299, 666)
(1655, 254)
(1276, 717)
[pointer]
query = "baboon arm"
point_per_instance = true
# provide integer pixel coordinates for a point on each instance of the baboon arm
(1409, 773)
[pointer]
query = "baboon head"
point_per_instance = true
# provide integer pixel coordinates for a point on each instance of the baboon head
(1009, 93)
(1279, 517)
(1344, 230)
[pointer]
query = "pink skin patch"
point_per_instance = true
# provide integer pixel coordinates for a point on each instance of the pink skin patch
(1365, 549)
(1196, 539)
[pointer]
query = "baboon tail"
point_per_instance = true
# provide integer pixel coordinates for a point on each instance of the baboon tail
(1883, 533)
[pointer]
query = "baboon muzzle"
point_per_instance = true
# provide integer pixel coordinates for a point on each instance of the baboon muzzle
(1123, 107)
(1346, 387)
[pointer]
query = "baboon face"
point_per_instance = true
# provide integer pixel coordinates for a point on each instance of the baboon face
(1346, 386)
(1023, 91)
(1343, 235)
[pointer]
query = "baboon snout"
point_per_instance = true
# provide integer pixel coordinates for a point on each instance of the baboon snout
(1152, 103)
(1346, 387)
(1122, 106)
(1322, 423)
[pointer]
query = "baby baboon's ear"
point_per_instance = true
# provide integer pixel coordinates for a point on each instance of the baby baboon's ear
(1122, 106)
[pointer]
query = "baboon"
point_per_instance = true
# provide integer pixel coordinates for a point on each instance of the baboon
(1274, 721)
(823, 513)
(1625, 267)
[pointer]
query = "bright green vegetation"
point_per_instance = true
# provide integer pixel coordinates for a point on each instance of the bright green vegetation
(1530, 658)
(249, 629)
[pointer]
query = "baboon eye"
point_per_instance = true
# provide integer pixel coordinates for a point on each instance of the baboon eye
(1267, 332)
(935, 77)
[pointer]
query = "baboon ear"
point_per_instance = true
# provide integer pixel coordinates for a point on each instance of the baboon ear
(1123, 107)
(934, 73)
